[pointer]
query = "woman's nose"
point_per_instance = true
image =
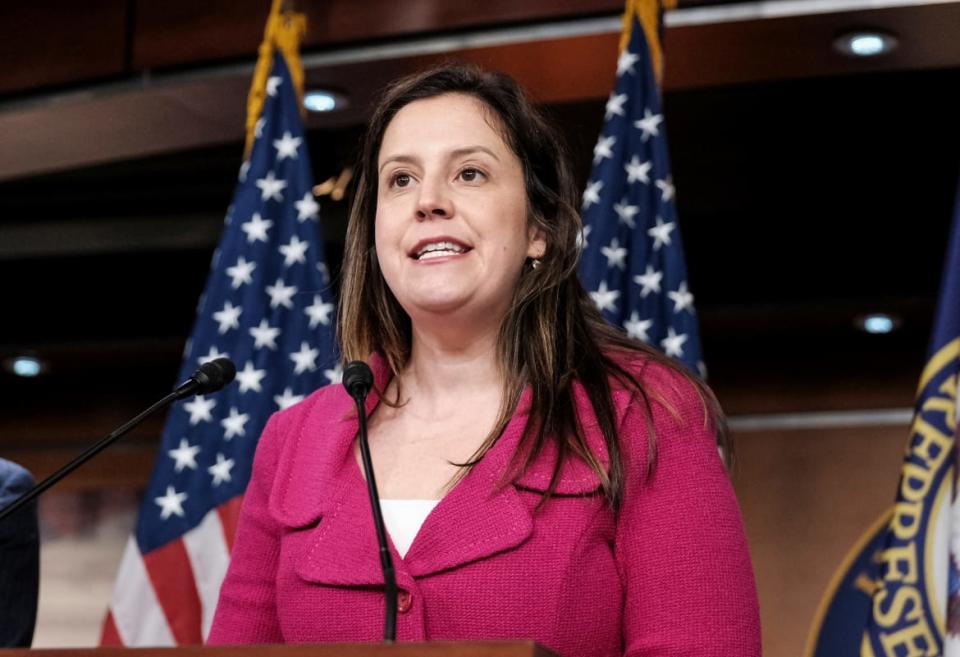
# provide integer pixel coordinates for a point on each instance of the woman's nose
(434, 201)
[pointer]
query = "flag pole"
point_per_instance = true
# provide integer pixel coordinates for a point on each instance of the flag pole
(284, 31)
(649, 13)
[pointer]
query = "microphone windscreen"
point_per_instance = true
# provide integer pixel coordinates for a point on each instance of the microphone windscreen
(357, 378)
(214, 375)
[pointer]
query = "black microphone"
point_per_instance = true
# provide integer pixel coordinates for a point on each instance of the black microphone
(358, 379)
(211, 377)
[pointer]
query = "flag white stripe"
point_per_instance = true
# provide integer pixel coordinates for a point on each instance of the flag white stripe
(209, 557)
(137, 613)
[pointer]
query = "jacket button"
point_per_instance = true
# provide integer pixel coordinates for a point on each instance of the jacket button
(403, 602)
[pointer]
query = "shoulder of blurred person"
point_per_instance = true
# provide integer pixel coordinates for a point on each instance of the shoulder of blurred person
(14, 481)
(19, 560)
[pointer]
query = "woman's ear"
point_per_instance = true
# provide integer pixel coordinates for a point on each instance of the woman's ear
(537, 243)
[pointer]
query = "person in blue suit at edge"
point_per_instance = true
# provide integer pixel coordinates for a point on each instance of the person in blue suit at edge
(19, 560)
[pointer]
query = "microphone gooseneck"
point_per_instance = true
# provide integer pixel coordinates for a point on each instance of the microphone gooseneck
(210, 377)
(358, 380)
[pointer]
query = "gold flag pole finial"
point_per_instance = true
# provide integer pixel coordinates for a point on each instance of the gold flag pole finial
(284, 31)
(648, 14)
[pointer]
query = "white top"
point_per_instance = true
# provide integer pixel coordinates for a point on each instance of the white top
(403, 519)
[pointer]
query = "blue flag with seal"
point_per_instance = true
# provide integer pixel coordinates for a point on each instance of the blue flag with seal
(899, 592)
(632, 262)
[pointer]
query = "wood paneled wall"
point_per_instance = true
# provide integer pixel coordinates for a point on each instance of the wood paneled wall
(807, 496)
(57, 42)
(50, 43)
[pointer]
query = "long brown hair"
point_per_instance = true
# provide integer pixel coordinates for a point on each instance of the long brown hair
(552, 334)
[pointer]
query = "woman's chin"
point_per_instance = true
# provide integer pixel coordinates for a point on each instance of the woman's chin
(436, 305)
(449, 308)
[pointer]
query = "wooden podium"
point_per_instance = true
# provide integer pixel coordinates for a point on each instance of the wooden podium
(432, 649)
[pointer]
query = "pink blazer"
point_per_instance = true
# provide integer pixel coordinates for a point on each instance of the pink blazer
(667, 575)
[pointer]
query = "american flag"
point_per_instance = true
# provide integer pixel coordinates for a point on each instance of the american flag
(632, 262)
(266, 306)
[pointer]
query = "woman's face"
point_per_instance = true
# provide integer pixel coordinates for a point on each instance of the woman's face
(451, 224)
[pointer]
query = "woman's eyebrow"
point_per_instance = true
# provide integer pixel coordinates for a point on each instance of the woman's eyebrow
(408, 159)
(469, 150)
(459, 152)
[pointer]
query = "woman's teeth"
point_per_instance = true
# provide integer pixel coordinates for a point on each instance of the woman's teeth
(439, 250)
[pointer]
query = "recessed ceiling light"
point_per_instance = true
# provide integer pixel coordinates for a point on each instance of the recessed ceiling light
(878, 323)
(25, 366)
(865, 43)
(324, 100)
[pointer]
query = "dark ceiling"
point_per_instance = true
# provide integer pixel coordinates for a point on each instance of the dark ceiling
(804, 202)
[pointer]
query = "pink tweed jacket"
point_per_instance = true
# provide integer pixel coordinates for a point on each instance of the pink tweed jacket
(669, 574)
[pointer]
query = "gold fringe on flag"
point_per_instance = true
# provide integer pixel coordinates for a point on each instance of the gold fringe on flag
(284, 31)
(648, 13)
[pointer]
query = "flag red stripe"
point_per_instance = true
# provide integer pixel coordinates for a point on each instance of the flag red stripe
(229, 513)
(109, 636)
(172, 578)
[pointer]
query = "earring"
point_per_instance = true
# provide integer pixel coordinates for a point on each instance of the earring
(534, 263)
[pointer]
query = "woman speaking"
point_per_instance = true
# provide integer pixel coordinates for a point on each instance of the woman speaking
(542, 476)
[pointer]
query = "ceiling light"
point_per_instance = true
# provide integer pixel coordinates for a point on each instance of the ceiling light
(25, 366)
(878, 323)
(865, 44)
(324, 100)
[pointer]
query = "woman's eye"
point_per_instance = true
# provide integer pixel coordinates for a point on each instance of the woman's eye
(400, 180)
(470, 175)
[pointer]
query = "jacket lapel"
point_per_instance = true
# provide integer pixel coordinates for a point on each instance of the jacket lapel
(474, 521)
(577, 477)
(343, 549)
